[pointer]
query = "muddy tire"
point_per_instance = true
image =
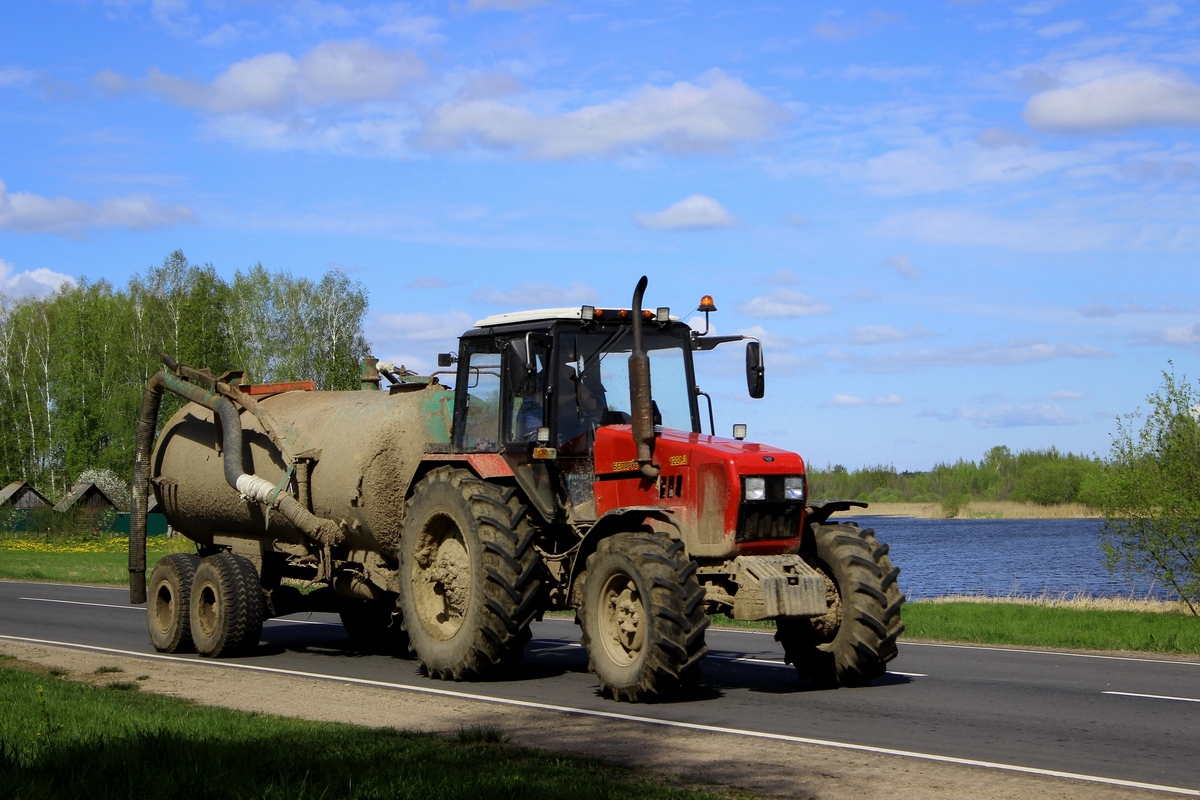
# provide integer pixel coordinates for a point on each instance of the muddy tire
(227, 606)
(374, 627)
(642, 616)
(167, 606)
(469, 586)
(852, 643)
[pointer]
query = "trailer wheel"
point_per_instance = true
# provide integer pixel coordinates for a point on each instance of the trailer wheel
(851, 644)
(469, 586)
(642, 616)
(226, 605)
(167, 614)
(374, 627)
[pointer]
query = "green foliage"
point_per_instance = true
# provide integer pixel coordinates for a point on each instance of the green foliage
(73, 365)
(1151, 494)
(1046, 477)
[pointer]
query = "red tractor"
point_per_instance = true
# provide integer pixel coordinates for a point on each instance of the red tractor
(555, 475)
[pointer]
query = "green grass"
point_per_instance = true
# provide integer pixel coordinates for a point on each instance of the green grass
(1040, 626)
(78, 559)
(62, 739)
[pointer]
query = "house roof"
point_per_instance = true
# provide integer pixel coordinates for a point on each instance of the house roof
(15, 490)
(82, 491)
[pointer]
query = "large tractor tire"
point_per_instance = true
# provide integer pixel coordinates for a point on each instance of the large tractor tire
(227, 606)
(642, 615)
(167, 610)
(374, 627)
(853, 642)
(469, 585)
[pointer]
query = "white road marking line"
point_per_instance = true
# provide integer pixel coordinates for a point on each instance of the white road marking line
(777, 663)
(693, 726)
(80, 603)
(1155, 696)
(286, 621)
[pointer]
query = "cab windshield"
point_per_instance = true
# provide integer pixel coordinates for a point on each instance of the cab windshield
(591, 386)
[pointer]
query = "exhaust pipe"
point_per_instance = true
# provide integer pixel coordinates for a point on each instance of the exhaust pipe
(640, 401)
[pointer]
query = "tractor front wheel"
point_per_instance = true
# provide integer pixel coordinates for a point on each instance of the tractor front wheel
(852, 642)
(642, 616)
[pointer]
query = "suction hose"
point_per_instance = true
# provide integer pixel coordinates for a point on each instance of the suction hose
(251, 487)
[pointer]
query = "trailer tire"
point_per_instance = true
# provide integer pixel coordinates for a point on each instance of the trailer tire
(853, 642)
(642, 615)
(227, 606)
(167, 609)
(374, 627)
(469, 575)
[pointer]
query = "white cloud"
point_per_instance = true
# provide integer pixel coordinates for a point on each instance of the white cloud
(536, 295)
(1188, 334)
(1006, 416)
(713, 114)
(1094, 309)
(1048, 232)
(696, 212)
(1064, 28)
(419, 326)
(1039, 7)
(1137, 98)
(503, 5)
(16, 76)
(770, 339)
(417, 29)
(1067, 395)
(888, 74)
(884, 334)
(844, 401)
(995, 138)
(1159, 15)
(853, 401)
(986, 354)
(31, 213)
(785, 303)
(903, 265)
(36, 282)
(331, 73)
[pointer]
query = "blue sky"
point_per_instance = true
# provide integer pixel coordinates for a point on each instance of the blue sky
(953, 224)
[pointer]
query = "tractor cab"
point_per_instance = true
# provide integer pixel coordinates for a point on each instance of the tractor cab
(541, 387)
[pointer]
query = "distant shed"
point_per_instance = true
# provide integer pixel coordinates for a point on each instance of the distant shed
(20, 494)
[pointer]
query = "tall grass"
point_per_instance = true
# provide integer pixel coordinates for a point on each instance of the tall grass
(61, 739)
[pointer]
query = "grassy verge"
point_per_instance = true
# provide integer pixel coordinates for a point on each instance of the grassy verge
(1036, 625)
(65, 739)
(78, 559)
(977, 509)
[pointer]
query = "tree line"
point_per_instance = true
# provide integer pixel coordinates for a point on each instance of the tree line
(73, 365)
(1046, 477)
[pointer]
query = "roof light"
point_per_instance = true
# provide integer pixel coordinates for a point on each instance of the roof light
(706, 304)
(663, 315)
(587, 313)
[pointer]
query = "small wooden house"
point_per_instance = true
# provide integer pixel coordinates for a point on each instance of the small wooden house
(20, 494)
(89, 496)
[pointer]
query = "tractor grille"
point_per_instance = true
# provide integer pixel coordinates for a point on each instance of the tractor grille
(768, 521)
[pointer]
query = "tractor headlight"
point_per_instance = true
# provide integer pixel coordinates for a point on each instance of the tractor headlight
(793, 488)
(755, 489)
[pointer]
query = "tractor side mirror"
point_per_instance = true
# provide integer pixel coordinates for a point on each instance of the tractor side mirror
(522, 376)
(755, 371)
(446, 359)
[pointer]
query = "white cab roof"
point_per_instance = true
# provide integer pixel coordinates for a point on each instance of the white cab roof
(529, 316)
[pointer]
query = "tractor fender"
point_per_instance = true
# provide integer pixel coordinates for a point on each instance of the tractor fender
(819, 511)
(619, 520)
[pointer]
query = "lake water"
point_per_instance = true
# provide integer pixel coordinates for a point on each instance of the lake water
(1001, 556)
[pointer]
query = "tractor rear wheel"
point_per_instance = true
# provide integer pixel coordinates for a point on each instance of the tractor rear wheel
(374, 627)
(227, 605)
(167, 612)
(469, 575)
(642, 616)
(851, 644)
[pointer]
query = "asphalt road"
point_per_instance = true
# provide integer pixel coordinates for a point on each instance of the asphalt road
(1111, 718)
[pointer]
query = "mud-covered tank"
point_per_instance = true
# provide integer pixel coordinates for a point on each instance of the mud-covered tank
(360, 450)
